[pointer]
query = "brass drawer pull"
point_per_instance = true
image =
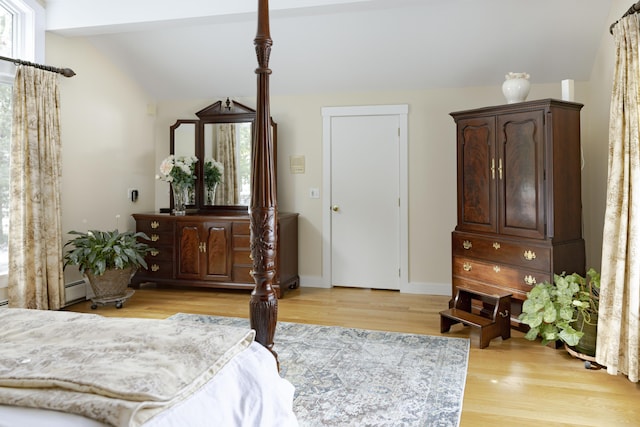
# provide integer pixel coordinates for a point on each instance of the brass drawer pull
(466, 266)
(155, 237)
(155, 224)
(529, 280)
(529, 255)
(202, 247)
(155, 267)
(467, 244)
(496, 268)
(154, 252)
(496, 245)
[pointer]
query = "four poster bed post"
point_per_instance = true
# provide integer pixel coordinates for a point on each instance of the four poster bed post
(263, 210)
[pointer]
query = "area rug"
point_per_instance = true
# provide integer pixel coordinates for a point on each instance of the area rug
(357, 377)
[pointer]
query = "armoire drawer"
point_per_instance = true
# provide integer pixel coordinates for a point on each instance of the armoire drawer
(504, 276)
(523, 254)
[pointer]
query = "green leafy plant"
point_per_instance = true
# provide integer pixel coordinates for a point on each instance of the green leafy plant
(98, 251)
(551, 310)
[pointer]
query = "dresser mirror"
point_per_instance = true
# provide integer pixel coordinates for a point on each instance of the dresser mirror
(223, 132)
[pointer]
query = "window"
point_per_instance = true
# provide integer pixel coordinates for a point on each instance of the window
(21, 36)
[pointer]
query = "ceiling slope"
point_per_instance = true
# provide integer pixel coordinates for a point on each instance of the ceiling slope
(202, 48)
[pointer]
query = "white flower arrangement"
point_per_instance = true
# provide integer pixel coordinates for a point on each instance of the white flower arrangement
(178, 169)
(212, 172)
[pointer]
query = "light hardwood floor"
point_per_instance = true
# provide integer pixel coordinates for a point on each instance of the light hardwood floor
(510, 383)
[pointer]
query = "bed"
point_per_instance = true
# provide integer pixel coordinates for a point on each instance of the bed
(90, 370)
(232, 381)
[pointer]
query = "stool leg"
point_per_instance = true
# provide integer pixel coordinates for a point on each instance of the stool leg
(504, 318)
(445, 324)
(484, 338)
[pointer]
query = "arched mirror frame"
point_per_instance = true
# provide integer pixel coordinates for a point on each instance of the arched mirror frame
(218, 112)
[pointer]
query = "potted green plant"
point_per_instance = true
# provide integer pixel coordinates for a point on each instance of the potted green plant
(108, 259)
(564, 310)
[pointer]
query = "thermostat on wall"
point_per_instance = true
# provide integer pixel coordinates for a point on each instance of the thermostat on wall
(296, 164)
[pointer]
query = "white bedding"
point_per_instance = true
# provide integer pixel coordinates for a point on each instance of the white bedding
(246, 392)
(132, 372)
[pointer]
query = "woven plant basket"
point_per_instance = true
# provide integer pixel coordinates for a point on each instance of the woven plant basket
(112, 284)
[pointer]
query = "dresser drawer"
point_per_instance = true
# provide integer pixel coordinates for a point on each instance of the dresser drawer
(161, 238)
(242, 258)
(242, 274)
(241, 242)
(525, 255)
(501, 275)
(157, 269)
(159, 253)
(241, 227)
(154, 225)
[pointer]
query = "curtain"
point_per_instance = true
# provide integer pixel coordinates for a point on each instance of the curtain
(618, 328)
(35, 233)
(227, 192)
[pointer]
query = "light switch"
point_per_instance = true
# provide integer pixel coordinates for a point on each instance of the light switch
(314, 193)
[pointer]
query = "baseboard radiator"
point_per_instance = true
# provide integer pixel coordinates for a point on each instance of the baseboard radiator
(75, 291)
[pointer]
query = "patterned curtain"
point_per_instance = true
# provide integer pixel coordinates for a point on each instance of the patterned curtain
(617, 346)
(227, 192)
(35, 232)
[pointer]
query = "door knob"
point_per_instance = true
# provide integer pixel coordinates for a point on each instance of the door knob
(335, 208)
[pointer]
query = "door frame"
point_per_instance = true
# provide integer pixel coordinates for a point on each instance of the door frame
(402, 111)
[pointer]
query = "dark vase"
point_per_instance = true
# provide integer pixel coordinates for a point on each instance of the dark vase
(587, 344)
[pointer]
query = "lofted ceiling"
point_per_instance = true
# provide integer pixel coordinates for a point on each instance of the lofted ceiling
(203, 48)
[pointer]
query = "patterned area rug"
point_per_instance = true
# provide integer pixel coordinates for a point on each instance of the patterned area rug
(357, 377)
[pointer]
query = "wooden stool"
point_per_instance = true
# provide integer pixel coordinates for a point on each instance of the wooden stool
(492, 326)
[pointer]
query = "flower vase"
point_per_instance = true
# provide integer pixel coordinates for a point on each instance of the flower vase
(180, 197)
(211, 194)
(516, 87)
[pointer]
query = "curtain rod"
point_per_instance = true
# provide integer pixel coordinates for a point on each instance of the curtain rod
(67, 72)
(633, 9)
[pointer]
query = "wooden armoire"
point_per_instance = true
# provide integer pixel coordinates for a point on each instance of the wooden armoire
(519, 216)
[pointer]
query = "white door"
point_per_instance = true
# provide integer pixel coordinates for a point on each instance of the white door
(365, 201)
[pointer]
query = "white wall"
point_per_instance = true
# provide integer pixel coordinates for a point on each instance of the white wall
(596, 140)
(112, 143)
(107, 140)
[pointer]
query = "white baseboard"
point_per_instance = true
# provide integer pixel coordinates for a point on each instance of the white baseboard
(410, 288)
(427, 288)
(313, 282)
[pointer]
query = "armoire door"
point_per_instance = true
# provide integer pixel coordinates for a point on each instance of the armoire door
(477, 175)
(521, 174)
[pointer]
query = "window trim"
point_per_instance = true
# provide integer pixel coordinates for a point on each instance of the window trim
(29, 28)
(29, 45)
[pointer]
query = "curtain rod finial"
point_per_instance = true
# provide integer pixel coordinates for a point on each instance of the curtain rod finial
(67, 72)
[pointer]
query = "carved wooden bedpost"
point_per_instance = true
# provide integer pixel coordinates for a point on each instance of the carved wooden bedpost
(263, 210)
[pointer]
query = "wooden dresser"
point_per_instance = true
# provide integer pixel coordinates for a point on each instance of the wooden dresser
(213, 250)
(519, 216)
